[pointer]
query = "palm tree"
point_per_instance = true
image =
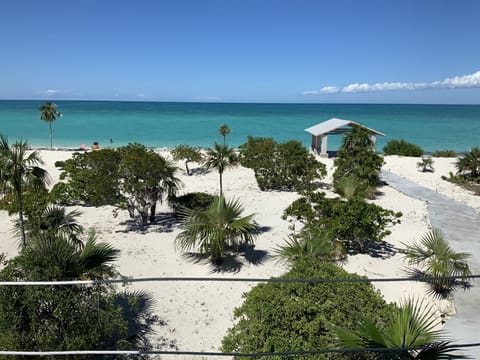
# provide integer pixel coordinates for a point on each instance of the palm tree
(426, 164)
(59, 252)
(470, 163)
(224, 130)
(314, 243)
(56, 220)
(216, 228)
(49, 113)
(220, 157)
(438, 260)
(17, 168)
(412, 325)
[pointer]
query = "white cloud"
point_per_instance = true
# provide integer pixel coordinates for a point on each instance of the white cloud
(48, 92)
(324, 90)
(140, 95)
(465, 81)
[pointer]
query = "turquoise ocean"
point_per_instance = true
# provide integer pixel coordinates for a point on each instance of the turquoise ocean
(166, 124)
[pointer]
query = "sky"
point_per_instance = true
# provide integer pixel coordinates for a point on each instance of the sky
(313, 51)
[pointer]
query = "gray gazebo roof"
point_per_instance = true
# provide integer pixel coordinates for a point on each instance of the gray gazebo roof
(336, 126)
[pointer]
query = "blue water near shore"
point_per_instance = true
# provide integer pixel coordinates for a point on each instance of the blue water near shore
(162, 124)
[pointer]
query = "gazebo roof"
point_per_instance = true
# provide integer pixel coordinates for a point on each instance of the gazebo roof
(334, 126)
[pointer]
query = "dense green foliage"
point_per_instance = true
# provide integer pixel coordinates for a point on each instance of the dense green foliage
(193, 201)
(301, 316)
(20, 170)
(49, 113)
(92, 178)
(355, 222)
(444, 153)
(188, 154)
(357, 159)
(217, 229)
(39, 318)
(132, 176)
(402, 148)
(281, 166)
(146, 178)
(438, 259)
(411, 325)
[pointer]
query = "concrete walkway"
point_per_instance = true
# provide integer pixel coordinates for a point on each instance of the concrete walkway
(461, 226)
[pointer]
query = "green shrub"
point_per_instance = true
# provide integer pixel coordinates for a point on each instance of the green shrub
(357, 158)
(286, 166)
(444, 153)
(402, 148)
(299, 316)
(192, 201)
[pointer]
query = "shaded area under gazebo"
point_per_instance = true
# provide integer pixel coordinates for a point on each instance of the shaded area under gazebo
(333, 126)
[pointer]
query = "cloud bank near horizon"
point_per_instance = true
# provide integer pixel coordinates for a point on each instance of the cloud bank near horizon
(465, 81)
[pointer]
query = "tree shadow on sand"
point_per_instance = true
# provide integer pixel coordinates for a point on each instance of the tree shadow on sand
(232, 262)
(136, 308)
(164, 223)
(377, 249)
(199, 171)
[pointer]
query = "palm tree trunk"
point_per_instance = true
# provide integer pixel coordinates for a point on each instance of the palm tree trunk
(186, 167)
(51, 146)
(221, 184)
(20, 217)
(153, 209)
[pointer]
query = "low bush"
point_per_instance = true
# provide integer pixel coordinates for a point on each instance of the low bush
(300, 316)
(444, 153)
(402, 148)
(193, 201)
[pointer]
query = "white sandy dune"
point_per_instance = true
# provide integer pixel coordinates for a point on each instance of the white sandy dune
(198, 314)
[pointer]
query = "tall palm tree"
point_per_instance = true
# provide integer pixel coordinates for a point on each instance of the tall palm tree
(224, 130)
(49, 113)
(220, 157)
(412, 325)
(18, 168)
(216, 228)
(438, 260)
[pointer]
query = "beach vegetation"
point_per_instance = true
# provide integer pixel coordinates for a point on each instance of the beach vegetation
(92, 178)
(146, 178)
(357, 158)
(193, 201)
(402, 148)
(132, 177)
(468, 165)
(445, 153)
(216, 230)
(20, 169)
(426, 164)
(355, 223)
(312, 242)
(220, 157)
(438, 260)
(49, 113)
(411, 325)
(188, 154)
(39, 318)
(224, 130)
(284, 166)
(55, 220)
(294, 316)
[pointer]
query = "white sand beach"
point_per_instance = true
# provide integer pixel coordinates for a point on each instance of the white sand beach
(198, 314)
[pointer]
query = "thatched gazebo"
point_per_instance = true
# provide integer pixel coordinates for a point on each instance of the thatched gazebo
(321, 131)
